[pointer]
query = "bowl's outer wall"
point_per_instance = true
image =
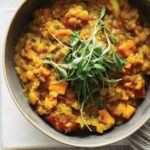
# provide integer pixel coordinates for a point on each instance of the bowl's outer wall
(118, 133)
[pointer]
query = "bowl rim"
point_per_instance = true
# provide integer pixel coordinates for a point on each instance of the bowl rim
(13, 97)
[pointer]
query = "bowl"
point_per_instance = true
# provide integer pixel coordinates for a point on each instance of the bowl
(21, 17)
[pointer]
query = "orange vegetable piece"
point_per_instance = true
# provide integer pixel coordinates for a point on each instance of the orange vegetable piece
(59, 88)
(128, 112)
(106, 117)
(124, 110)
(127, 48)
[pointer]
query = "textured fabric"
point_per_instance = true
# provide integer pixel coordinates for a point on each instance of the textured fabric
(141, 139)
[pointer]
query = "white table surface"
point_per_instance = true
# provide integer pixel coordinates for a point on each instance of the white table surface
(17, 132)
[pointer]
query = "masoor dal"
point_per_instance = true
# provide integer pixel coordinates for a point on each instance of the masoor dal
(56, 102)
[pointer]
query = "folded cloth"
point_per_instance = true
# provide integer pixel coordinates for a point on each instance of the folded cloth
(141, 139)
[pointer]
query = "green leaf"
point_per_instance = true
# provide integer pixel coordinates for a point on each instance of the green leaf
(90, 46)
(103, 45)
(76, 61)
(102, 12)
(49, 56)
(98, 49)
(75, 38)
(105, 51)
(116, 60)
(113, 38)
(119, 62)
(123, 62)
(112, 80)
(62, 71)
(99, 67)
(109, 64)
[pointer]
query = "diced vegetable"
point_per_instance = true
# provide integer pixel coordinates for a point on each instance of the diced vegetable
(124, 110)
(59, 87)
(106, 117)
(128, 112)
(118, 110)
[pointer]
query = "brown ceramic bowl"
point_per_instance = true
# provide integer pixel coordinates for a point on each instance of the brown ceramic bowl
(21, 17)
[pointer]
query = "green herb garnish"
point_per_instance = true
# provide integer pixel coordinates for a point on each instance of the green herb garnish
(88, 63)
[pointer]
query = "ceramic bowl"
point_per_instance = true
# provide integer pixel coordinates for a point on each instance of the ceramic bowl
(21, 17)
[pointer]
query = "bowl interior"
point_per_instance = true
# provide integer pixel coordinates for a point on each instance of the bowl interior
(16, 28)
